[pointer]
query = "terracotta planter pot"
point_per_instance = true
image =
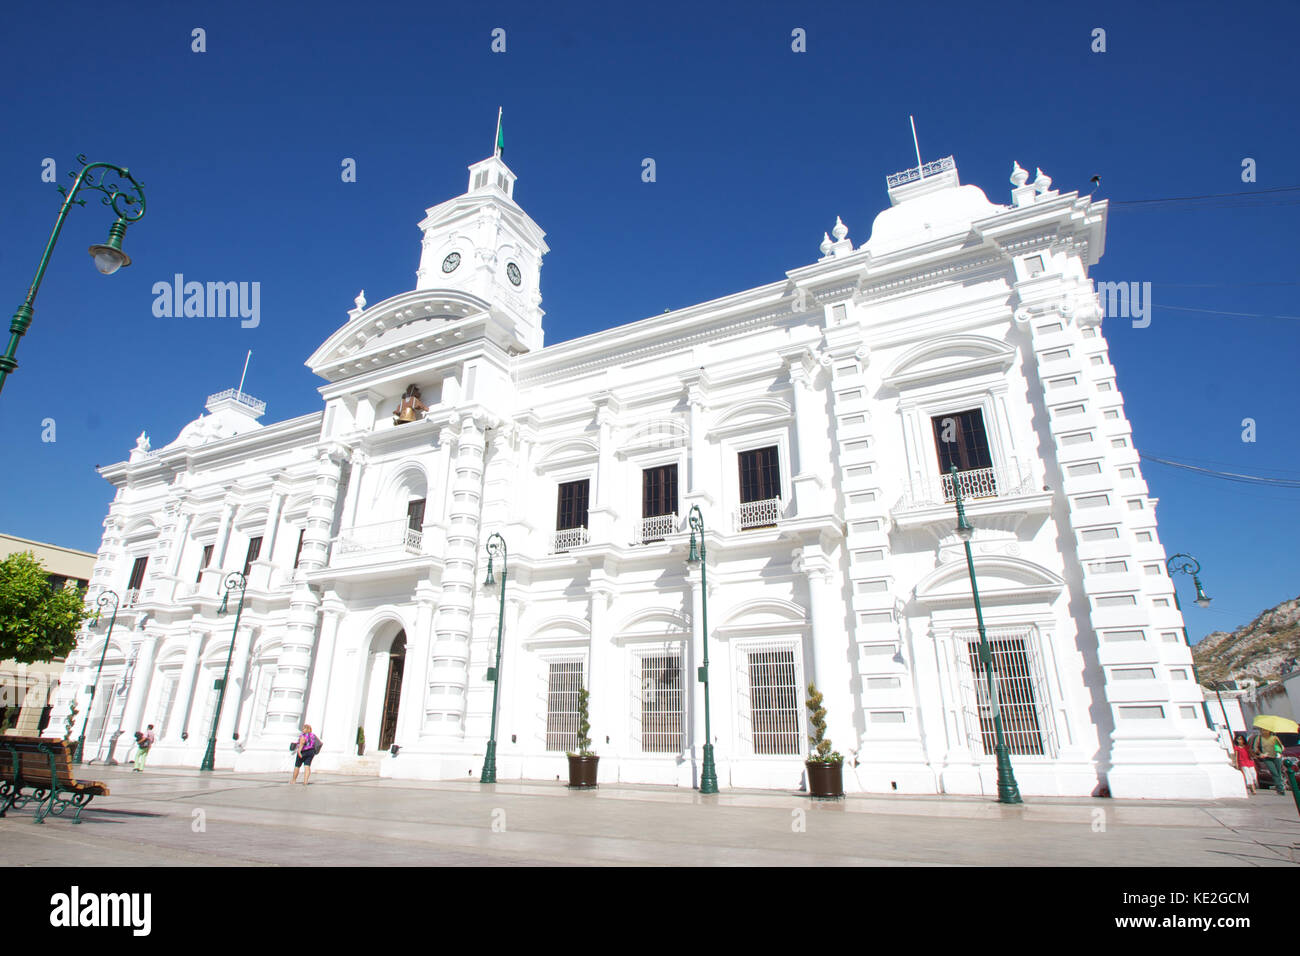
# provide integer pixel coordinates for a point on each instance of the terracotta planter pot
(825, 779)
(582, 771)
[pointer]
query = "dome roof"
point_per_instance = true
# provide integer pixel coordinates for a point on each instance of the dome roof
(934, 215)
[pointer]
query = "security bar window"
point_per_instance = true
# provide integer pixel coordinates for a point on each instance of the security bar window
(1017, 697)
(661, 703)
(774, 702)
(564, 680)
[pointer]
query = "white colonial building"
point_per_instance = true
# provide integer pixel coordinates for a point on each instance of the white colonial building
(813, 421)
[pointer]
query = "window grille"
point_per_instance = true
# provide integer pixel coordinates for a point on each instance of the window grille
(760, 474)
(103, 698)
(657, 678)
(166, 702)
(564, 680)
(772, 714)
(1020, 687)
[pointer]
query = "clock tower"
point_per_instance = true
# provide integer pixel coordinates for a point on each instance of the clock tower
(482, 243)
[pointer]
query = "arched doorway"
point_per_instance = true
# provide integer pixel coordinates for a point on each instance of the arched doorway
(392, 691)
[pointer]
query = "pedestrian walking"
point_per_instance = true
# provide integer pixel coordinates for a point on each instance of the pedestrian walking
(143, 741)
(1269, 749)
(1242, 761)
(305, 750)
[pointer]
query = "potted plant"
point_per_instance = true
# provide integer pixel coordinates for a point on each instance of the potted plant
(825, 766)
(361, 742)
(582, 765)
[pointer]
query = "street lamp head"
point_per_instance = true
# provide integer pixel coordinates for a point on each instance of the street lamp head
(489, 582)
(694, 556)
(109, 256)
(1202, 599)
(225, 598)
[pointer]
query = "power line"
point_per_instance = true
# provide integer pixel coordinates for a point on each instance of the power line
(1259, 194)
(1225, 475)
(1243, 315)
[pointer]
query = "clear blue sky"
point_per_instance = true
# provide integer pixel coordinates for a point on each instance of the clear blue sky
(757, 148)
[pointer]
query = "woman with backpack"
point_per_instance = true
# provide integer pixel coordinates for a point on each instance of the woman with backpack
(306, 748)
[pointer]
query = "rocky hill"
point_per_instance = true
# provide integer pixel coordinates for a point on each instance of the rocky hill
(1260, 651)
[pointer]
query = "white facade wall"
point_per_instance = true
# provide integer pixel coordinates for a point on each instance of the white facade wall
(857, 581)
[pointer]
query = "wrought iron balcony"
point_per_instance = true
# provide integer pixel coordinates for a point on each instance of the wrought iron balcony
(758, 514)
(975, 484)
(570, 538)
(657, 527)
(131, 597)
(384, 536)
(920, 172)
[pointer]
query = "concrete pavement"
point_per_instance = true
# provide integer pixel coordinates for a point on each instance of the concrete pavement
(179, 817)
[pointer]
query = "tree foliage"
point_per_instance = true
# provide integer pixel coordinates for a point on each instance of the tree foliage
(37, 622)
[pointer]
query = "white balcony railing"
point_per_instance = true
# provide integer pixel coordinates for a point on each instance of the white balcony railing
(975, 484)
(131, 597)
(920, 172)
(758, 514)
(657, 527)
(384, 536)
(570, 538)
(243, 398)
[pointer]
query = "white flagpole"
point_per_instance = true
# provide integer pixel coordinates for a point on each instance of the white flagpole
(919, 168)
(240, 390)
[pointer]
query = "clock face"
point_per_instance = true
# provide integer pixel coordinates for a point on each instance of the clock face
(512, 273)
(451, 262)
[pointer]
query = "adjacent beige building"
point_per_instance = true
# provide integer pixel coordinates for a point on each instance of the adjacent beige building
(29, 688)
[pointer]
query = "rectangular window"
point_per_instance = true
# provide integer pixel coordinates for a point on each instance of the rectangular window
(204, 562)
(760, 475)
(166, 702)
(415, 515)
(1016, 695)
(775, 712)
(297, 555)
(137, 574)
(961, 441)
(659, 491)
(254, 549)
(661, 703)
(564, 680)
(573, 501)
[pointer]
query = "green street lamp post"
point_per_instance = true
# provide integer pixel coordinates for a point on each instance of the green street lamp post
(108, 256)
(1008, 791)
(496, 545)
(1186, 564)
(233, 580)
(102, 601)
(708, 773)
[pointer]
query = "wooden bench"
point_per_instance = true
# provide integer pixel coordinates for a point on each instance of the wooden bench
(39, 770)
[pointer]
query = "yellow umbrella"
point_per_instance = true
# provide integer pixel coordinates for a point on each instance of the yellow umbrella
(1282, 725)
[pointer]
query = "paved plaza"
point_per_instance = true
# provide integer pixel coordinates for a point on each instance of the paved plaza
(180, 817)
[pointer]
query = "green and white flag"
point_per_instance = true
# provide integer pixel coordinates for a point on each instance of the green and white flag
(501, 136)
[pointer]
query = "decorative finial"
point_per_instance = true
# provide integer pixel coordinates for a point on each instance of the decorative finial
(826, 244)
(1042, 182)
(360, 300)
(1019, 176)
(142, 443)
(840, 230)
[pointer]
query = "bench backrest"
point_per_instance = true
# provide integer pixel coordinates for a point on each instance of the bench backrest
(33, 763)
